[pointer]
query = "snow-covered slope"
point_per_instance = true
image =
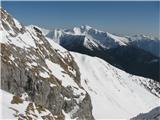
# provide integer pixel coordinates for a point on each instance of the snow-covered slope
(45, 71)
(115, 93)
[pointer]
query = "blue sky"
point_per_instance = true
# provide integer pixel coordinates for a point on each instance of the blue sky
(115, 17)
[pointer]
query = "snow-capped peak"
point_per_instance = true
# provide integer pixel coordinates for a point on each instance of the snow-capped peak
(77, 31)
(43, 30)
(86, 27)
(104, 39)
(80, 30)
(142, 37)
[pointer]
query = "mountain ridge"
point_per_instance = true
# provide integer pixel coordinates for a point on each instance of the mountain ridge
(51, 82)
(127, 53)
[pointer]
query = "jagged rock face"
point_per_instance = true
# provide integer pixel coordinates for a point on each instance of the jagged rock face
(36, 65)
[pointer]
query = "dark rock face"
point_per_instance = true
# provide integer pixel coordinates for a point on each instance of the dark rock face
(135, 61)
(154, 114)
(22, 68)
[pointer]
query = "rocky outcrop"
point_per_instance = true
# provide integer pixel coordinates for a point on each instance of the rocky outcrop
(153, 114)
(37, 66)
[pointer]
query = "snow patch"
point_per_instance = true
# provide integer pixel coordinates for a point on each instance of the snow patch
(44, 74)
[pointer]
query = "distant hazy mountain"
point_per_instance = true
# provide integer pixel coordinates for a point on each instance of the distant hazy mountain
(148, 43)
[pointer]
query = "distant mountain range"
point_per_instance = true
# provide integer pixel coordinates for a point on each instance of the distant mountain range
(139, 54)
(106, 40)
